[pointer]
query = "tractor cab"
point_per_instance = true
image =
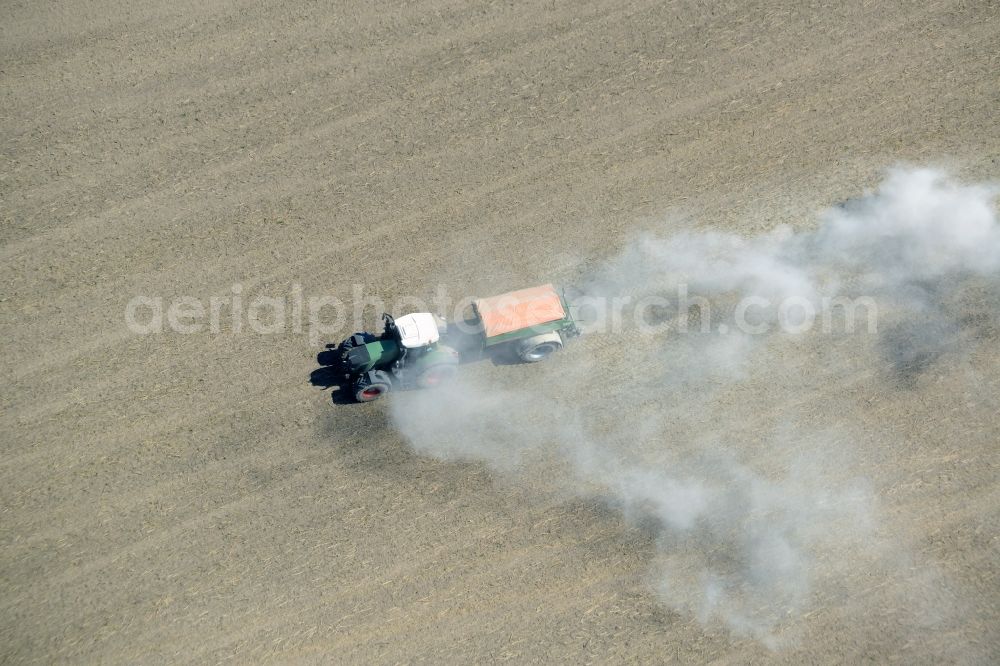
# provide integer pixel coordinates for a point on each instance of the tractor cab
(416, 334)
(417, 330)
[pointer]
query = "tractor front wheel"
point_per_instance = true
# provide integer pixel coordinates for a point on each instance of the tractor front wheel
(372, 386)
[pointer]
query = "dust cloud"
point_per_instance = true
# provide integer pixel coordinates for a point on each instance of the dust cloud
(707, 411)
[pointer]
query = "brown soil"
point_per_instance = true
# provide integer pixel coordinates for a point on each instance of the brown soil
(192, 497)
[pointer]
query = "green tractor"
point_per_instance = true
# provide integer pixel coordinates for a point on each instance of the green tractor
(416, 351)
(408, 354)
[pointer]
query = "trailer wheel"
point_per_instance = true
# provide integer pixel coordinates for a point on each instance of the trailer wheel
(372, 386)
(539, 347)
(436, 375)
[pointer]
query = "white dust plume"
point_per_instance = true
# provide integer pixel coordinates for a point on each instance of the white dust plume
(733, 443)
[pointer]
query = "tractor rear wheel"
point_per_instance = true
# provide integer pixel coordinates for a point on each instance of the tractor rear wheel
(539, 347)
(436, 375)
(372, 386)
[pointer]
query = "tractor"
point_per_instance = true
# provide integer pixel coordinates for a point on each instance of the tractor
(420, 350)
